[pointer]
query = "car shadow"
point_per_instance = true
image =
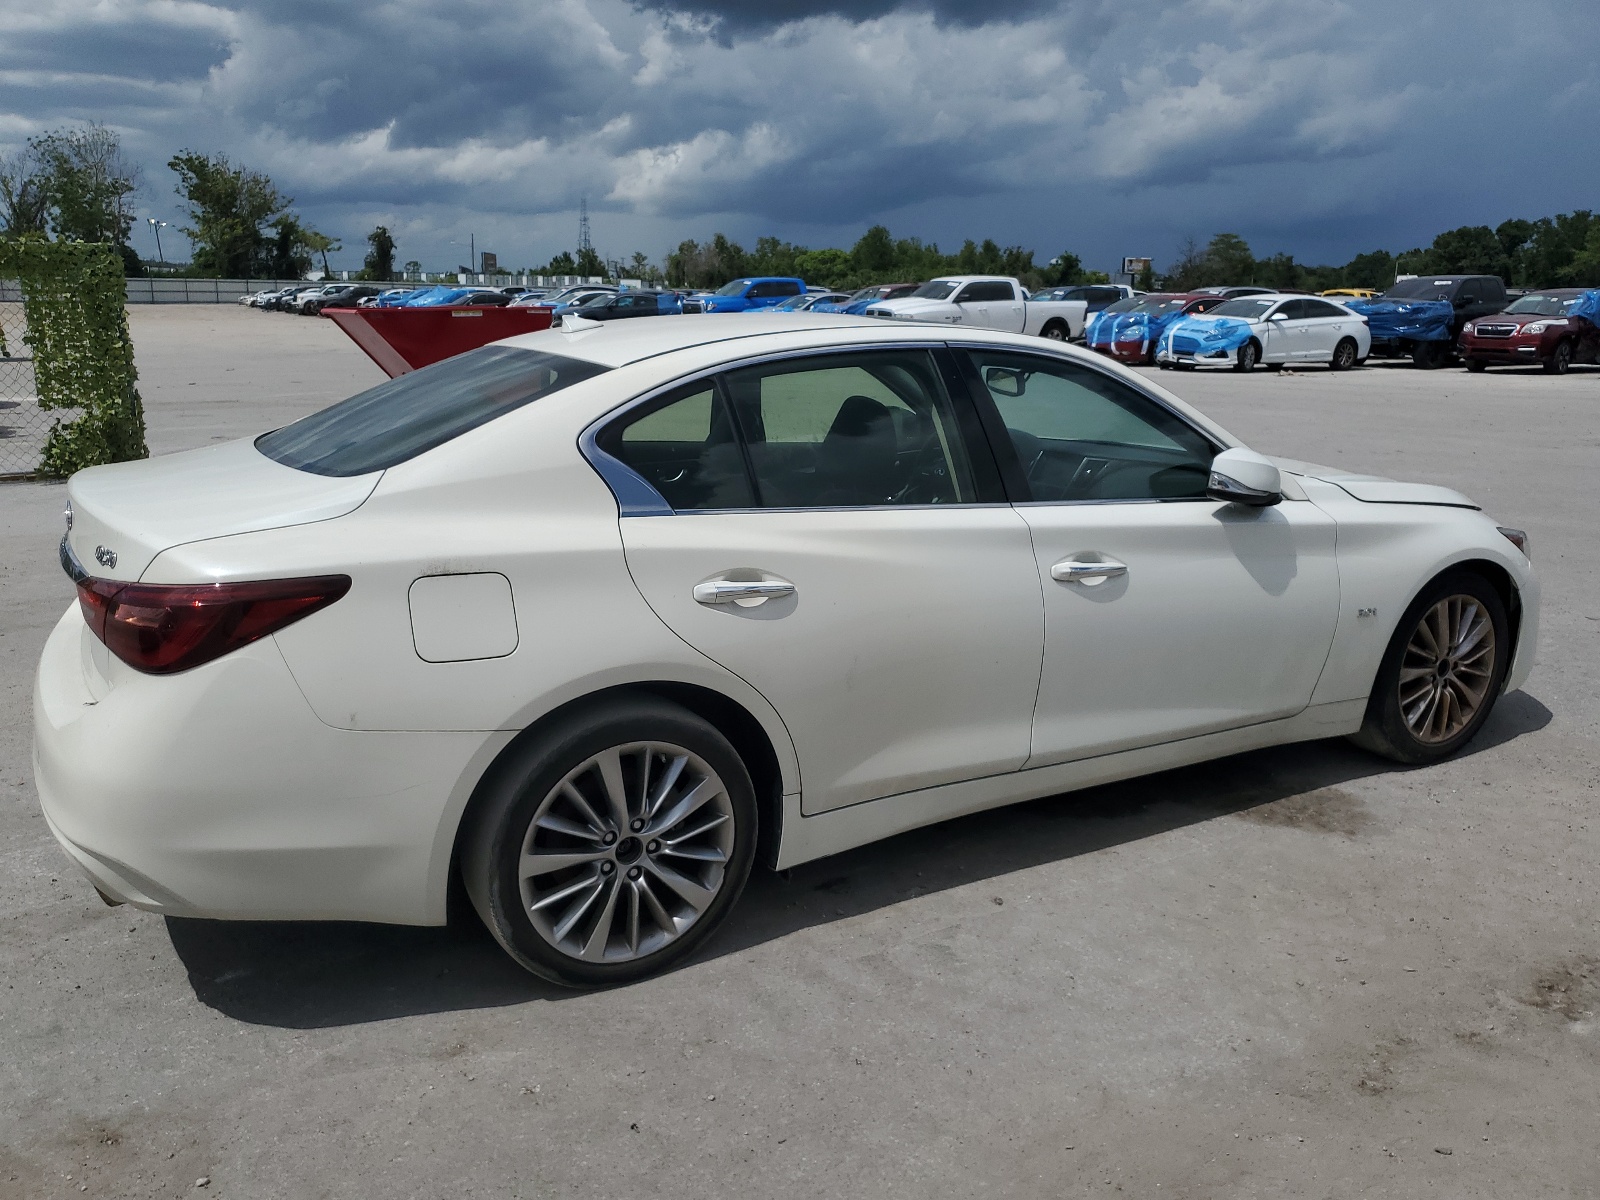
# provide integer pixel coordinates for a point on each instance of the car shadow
(313, 975)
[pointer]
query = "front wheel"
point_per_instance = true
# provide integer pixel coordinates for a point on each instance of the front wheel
(1344, 355)
(1442, 672)
(1249, 355)
(1427, 355)
(1477, 366)
(611, 846)
(1559, 362)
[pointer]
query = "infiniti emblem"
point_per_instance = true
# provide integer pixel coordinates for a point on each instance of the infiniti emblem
(105, 557)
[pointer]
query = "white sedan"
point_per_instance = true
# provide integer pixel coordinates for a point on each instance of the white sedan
(1272, 330)
(595, 618)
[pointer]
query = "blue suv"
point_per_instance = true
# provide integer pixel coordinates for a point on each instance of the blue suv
(747, 295)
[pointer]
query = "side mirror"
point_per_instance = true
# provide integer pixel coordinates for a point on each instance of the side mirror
(1279, 316)
(1244, 477)
(1005, 381)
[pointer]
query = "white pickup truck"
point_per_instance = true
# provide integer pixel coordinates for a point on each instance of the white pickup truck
(986, 302)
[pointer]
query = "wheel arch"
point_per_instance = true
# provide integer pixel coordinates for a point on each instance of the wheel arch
(728, 716)
(1496, 575)
(1060, 323)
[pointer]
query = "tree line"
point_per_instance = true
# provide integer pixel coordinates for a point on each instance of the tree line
(77, 185)
(1558, 251)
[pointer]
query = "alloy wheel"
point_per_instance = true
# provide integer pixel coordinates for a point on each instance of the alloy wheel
(1447, 668)
(625, 853)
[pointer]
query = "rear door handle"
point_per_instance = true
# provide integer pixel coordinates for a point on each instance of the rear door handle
(1071, 571)
(746, 593)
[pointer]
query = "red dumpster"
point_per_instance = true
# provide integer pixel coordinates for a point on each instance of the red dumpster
(403, 339)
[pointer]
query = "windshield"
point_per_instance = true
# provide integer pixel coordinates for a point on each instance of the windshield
(797, 302)
(1544, 306)
(412, 413)
(597, 300)
(868, 293)
(939, 289)
(1126, 304)
(1422, 288)
(1250, 308)
(1156, 304)
(736, 288)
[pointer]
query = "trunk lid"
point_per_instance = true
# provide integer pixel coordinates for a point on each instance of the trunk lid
(125, 514)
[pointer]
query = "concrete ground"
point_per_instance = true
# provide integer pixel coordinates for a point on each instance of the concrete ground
(1299, 972)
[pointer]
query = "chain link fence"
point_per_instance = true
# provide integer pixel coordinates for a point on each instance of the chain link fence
(24, 426)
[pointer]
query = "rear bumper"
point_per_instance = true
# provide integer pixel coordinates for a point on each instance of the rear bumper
(218, 793)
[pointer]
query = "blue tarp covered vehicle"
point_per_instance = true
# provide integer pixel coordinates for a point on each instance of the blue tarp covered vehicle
(1408, 320)
(1206, 337)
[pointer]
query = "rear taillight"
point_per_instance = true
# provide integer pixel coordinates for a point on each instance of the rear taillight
(161, 628)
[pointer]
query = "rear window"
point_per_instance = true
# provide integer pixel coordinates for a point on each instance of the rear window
(408, 415)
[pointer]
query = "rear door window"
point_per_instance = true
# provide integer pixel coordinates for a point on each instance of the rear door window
(413, 413)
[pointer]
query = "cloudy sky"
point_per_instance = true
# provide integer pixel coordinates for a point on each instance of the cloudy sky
(1317, 127)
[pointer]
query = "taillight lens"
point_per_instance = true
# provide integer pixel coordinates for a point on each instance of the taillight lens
(161, 629)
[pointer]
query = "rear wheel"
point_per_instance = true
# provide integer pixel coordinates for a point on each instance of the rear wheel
(1056, 331)
(1560, 361)
(1344, 355)
(1249, 355)
(1477, 365)
(613, 844)
(1442, 672)
(1428, 355)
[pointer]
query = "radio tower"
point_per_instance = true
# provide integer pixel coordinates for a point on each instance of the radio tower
(583, 225)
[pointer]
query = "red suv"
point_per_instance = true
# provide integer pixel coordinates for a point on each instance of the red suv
(1535, 329)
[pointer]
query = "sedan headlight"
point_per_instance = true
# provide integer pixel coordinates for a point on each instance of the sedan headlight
(1535, 327)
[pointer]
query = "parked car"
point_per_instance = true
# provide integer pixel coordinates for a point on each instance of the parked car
(747, 295)
(282, 301)
(986, 302)
(1229, 293)
(1547, 327)
(299, 301)
(547, 618)
(1403, 324)
(637, 302)
(859, 301)
(1130, 329)
(345, 296)
(806, 302)
(1272, 330)
(567, 298)
(1097, 297)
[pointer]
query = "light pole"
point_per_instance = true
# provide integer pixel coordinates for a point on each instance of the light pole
(158, 226)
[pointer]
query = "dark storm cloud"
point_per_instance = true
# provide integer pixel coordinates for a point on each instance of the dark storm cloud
(1314, 125)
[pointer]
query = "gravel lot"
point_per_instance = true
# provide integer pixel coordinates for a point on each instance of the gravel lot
(1299, 972)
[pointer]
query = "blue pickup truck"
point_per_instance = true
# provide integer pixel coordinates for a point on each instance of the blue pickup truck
(747, 295)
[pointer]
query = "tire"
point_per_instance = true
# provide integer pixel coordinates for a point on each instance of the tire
(1424, 707)
(1477, 366)
(1055, 331)
(657, 904)
(1426, 356)
(1344, 355)
(1559, 362)
(1273, 366)
(1249, 355)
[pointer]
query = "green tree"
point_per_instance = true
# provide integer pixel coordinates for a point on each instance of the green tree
(874, 254)
(1188, 269)
(1372, 270)
(290, 257)
(230, 209)
(413, 267)
(322, 245)
(1228, 261)
(826, 268)
(590, 264)
(773, 256)
(1280, 271)
(24, 206)
(379, 263)
(561, 264)
(88, 188)
(1469, 250)
(1584, 269)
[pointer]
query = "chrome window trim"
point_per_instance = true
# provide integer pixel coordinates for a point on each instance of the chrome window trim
(637, 498)
(70, 563)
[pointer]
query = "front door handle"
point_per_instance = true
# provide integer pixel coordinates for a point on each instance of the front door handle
(746, 593)
(1072, 571)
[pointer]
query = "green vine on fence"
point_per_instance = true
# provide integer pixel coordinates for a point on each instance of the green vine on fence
(74, 296)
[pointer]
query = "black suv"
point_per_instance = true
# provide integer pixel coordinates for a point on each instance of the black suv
(1471, 296)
